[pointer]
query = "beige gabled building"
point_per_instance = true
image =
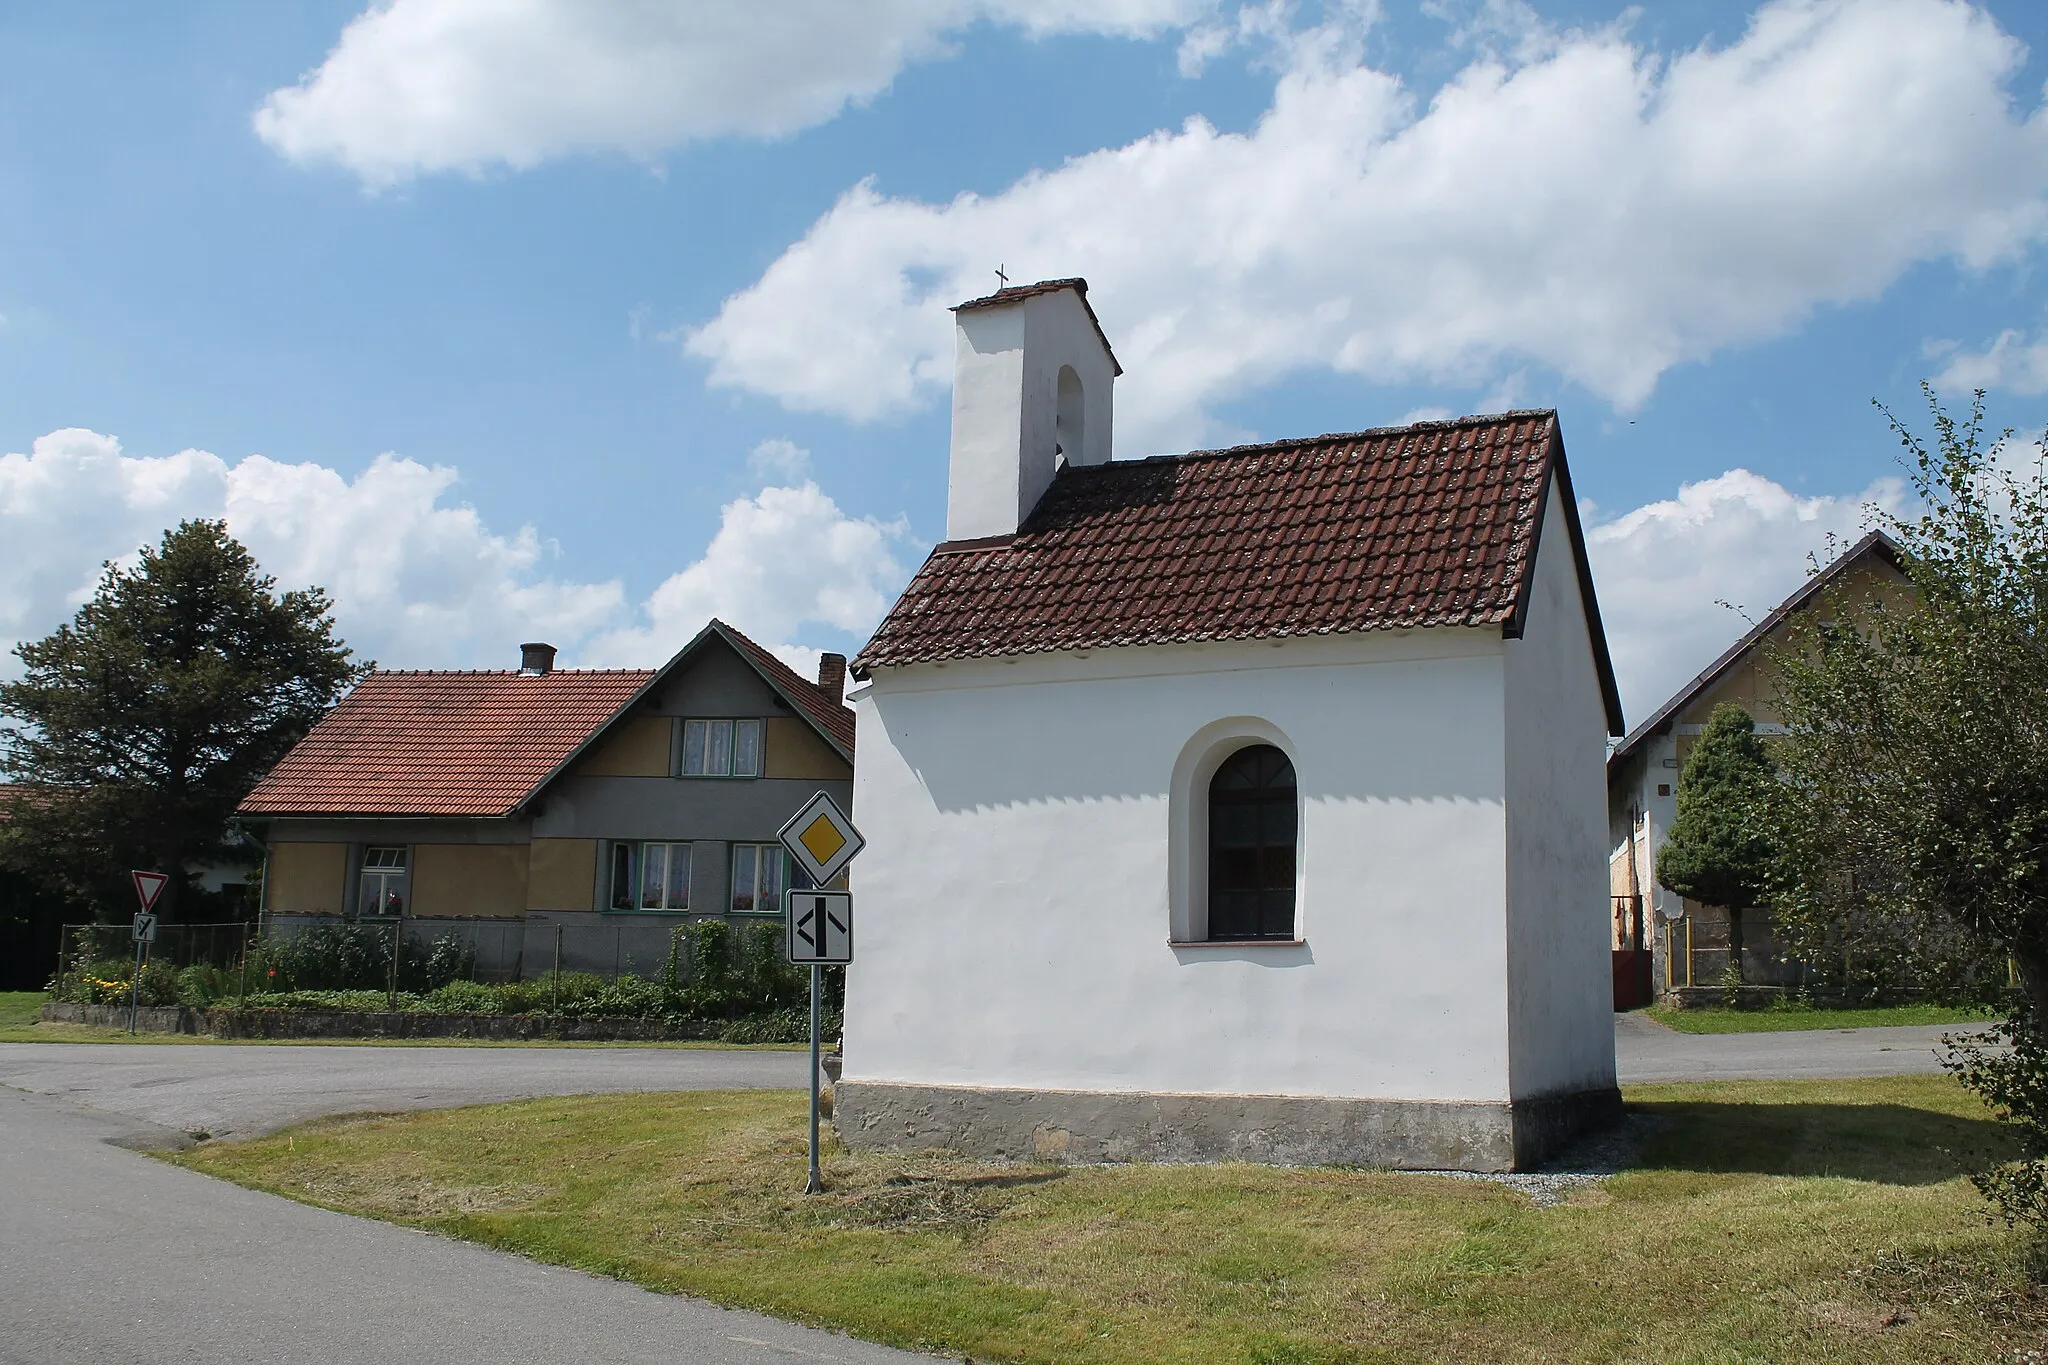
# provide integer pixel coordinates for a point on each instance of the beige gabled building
(1685, 942)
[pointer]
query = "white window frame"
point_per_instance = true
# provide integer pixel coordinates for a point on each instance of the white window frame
(788, 875)
(709, 732)
(636, 853)
(384, 864)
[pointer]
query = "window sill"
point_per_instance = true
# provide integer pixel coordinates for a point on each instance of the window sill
(650, 914)
(1237, 943)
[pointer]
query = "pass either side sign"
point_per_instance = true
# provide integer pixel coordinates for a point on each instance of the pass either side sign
(820, 927)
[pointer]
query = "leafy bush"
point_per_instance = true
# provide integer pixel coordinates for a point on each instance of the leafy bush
(106, 981)
(734, 975)
(357, 957)
(782, 1026)
(350, 1001)
(205, 984)
(2014, 1082)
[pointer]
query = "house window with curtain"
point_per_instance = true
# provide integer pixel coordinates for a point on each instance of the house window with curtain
(383, 889)
(760, 874)
(721, 748)
(649, 875)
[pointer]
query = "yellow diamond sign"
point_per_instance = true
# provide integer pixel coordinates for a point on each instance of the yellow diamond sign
(821, 839)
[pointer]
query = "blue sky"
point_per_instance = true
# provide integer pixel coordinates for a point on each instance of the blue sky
(569, 270)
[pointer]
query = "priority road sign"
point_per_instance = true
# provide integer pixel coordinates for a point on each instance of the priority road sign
(821, 839)
(820, 927)
(148, 886)
(145, 927)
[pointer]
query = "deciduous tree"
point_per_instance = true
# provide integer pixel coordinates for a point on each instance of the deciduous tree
(1915, 802)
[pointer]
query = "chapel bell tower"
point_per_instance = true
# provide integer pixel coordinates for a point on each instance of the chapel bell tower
(1033, 380)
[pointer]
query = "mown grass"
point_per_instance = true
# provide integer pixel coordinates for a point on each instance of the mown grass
(1811, 1221)
(1788, 1018)
(19, 1008)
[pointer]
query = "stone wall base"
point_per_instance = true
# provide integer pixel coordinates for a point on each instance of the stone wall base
(1274, 1130)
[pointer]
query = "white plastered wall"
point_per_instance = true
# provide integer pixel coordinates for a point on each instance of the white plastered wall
(1014, 905)
(1006, 375)
(1560, 985)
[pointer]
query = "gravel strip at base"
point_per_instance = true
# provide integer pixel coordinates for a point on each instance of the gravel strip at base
(1584, 1163)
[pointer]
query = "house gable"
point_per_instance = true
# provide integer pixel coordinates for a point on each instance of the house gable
(1873, 564)
(721, 674)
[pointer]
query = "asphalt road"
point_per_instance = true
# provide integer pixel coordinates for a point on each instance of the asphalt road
(1647, 1051)
(243, 1090)
(112, 1257)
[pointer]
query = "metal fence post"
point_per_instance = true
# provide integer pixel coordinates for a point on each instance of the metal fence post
(555, 980)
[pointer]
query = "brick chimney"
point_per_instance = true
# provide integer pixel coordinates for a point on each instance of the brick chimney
(536, 660)
(832, 676)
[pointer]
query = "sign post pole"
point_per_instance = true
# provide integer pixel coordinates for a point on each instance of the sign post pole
(148, 886)
(816, 1184)
(819, 923)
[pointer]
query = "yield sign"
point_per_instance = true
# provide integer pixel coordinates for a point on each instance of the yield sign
(148, 886)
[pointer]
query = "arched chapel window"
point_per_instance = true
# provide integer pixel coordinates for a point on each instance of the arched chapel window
(1253, 811)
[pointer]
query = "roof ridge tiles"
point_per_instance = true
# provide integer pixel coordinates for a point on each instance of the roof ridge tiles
(1294, 443)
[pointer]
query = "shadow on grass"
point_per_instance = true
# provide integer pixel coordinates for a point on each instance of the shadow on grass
(1890, 1144)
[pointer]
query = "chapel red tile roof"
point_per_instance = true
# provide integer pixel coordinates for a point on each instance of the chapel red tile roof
(1017, 293)
(1433, 524)
(449, 743)
(1010, 293)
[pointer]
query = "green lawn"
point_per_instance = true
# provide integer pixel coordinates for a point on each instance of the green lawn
(18, 1008)
(1791, 1017)
(1809, 1221)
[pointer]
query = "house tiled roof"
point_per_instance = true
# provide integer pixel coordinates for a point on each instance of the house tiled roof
(831, 716)
(483, 744)
(1434, 524)
(451, 743)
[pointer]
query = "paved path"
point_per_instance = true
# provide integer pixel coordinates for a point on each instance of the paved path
(115, 1258)
(246, 1089)
(1645, 1050)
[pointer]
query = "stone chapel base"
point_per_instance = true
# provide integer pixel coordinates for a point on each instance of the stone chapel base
(1275, 1130)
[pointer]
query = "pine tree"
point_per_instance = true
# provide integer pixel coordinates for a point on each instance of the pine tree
(144, 721)
(1720, 851)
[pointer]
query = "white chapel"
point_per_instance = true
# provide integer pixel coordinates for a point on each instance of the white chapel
(1246, 804)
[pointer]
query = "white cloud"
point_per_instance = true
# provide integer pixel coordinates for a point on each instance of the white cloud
(1681, 579)
(776, 458)
(416, 582)
(2011, 362)
(779, 560)
(419, 86)
(1598, 209)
